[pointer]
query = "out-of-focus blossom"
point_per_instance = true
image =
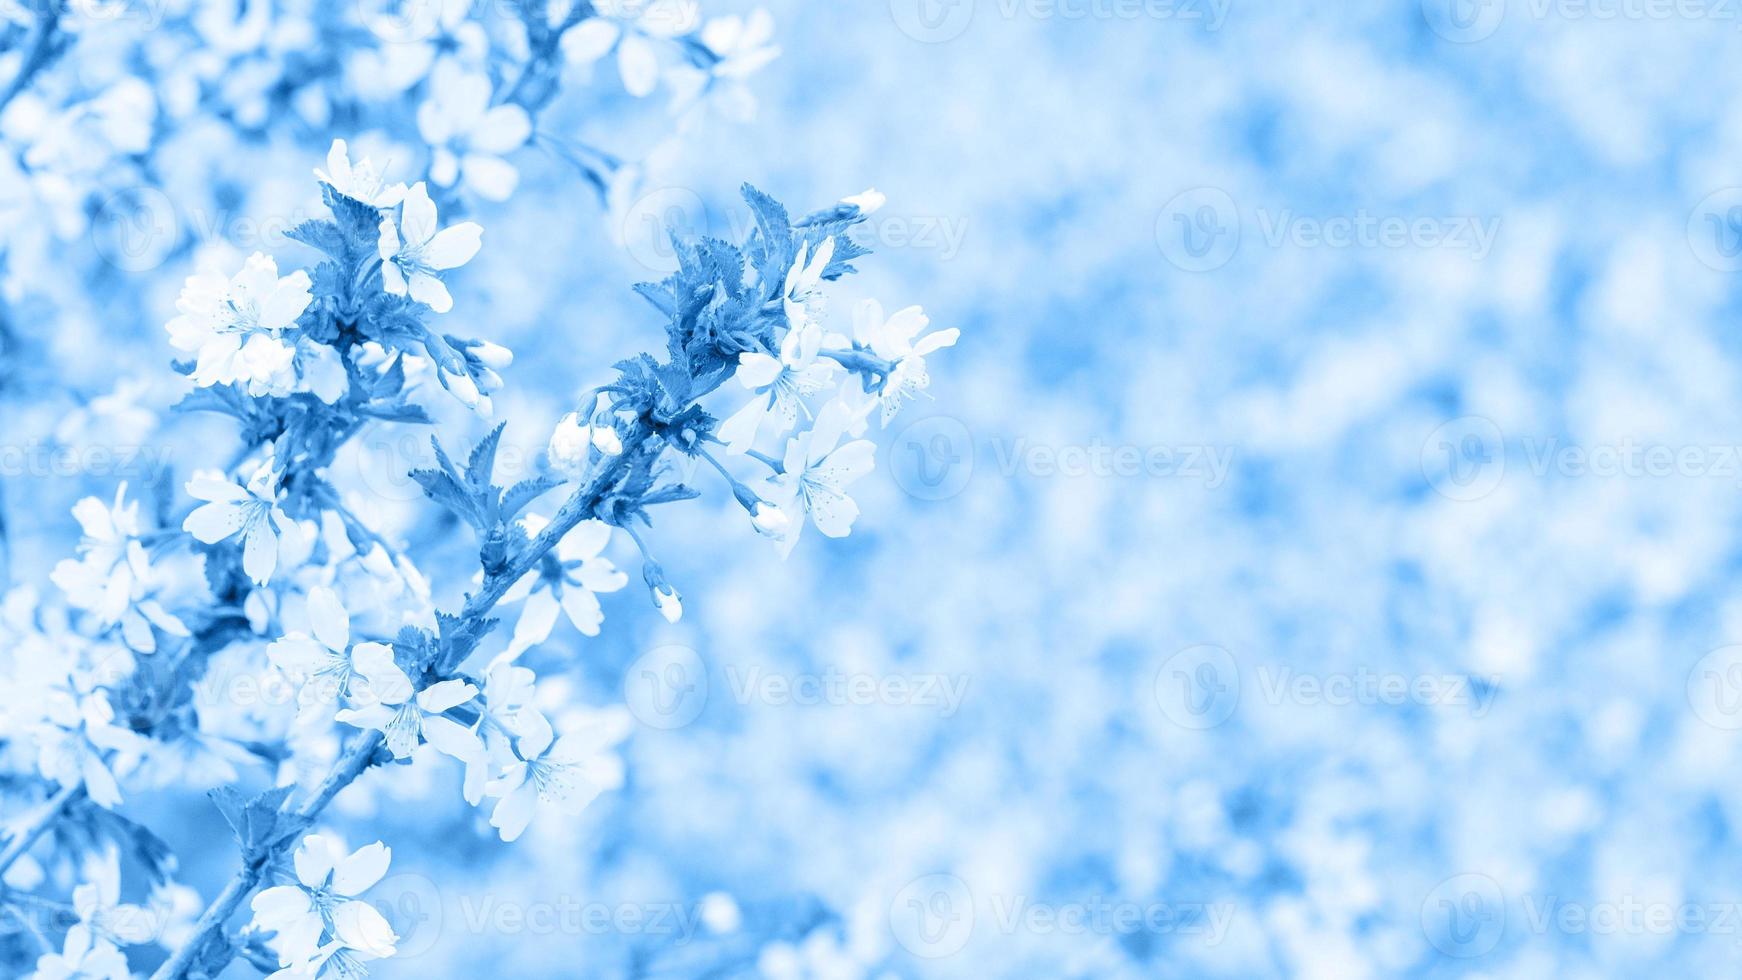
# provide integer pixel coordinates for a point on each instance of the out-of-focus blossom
(468, 136)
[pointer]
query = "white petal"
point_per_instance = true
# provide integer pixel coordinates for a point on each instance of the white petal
(599, 575)
(638, 63)
(280, 904)
(215, 521)
(374, 717)
(850, 462)
(589, 40)
(418, 214)
(438, 698)
(503, 129)
(359, 926)
(289, 297)
(387, 683)
(392, 279)
(758, 370)
(583, 610)
(455, 246)
(429, 291)
(535, 734)
(361, 869)
(452, 738)
(585, 541)
(739, 431)
(936, 341)
(387, 243)
(515, 811)
(259, 549)
(331, 624)
(315, 858)
(100, 784)
(298, 654)
(492, 177)
(536, 619)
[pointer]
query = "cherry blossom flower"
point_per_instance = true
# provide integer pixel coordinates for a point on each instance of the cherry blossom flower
(468, 136)
(816, 475)
(566, 773)
(113, 579)
(743, 44)
(325, 660)
(803, 294)
(568, 579)
(77, 735)
(632, 28)
(97, 903)
(234, 326)
(780, 384)
(897, 341)
(387, 705)
(411, 265)
(83, 957)
(251, 512)
(359, 181)
(324, 901)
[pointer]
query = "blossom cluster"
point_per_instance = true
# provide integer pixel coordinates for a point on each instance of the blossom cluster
(265, 566)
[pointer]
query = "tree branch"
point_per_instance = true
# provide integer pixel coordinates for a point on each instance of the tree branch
(363, 752)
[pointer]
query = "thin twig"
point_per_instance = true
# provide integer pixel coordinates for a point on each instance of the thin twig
(41, 51)
(39, 823)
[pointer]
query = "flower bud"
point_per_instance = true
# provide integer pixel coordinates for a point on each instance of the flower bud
(493, 355)
(669, 603)
(664, 596)
(568, 444)
(606, 439)
(867, 201)
(461, 386)
(769, 519)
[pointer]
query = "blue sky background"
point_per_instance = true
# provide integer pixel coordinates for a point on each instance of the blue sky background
(1317, 558)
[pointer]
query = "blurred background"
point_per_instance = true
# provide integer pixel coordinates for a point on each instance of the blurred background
(1317, 558)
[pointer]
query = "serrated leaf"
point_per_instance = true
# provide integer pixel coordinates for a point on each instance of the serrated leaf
(254, 822)
(659, 296)
(523, 493)
(482, 462)
(320, 234)
(444, 489)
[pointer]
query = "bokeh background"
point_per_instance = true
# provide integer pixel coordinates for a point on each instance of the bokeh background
(1317, 558)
